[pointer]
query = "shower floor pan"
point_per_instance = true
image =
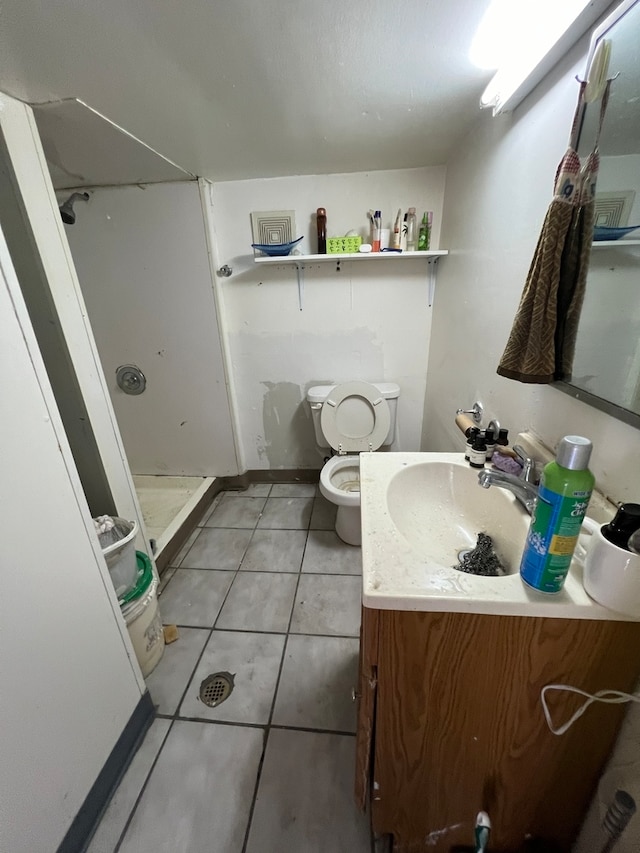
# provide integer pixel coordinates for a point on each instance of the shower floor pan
(167, 502)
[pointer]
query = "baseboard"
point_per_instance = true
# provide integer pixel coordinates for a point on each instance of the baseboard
(284, 475)
(97, 800)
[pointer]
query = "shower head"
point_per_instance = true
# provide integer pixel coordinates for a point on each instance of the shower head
(66, 210)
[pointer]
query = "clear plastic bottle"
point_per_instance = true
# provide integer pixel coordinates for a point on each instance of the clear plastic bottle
(422, 236)
(412, 230)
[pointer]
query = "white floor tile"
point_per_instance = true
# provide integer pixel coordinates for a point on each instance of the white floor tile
(169, 679)
(318, 675)
(254, 661)
(305, 798)
(327, 604)
(286, 514)
(199, 794)
(217, 549)
(259, 601)
(275, 551)
(115, 818)
(194, 597)
(236, 512)
(326, 553)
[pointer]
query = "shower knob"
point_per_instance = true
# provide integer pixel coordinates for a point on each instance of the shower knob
(130, 379)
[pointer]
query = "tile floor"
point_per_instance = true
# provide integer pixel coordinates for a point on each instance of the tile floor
(263, 589)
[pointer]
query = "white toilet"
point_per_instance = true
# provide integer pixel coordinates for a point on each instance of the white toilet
(351, 418)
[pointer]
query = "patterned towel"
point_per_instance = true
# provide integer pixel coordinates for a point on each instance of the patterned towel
(541, 345)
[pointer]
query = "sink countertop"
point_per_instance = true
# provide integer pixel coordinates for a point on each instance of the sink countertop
(396, 576)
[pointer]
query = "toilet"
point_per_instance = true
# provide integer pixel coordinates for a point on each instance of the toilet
(351, 418)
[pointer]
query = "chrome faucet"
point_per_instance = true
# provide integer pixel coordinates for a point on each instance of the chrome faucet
(522, 486)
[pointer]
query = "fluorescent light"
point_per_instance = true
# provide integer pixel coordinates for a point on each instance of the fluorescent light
(524, 39)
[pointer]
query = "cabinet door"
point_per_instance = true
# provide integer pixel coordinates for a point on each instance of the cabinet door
(366, 696)
(459, 725)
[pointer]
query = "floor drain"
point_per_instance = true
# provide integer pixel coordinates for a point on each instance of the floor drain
(216, 688)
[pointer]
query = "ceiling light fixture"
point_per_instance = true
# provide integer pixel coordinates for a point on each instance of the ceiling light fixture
(524, 39)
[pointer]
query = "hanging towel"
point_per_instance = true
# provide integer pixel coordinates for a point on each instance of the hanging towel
(542, 341)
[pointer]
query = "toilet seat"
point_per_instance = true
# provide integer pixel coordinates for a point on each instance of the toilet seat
(355, 417)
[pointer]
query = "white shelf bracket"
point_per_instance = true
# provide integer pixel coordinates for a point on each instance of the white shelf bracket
(431, 277)
(300, 272)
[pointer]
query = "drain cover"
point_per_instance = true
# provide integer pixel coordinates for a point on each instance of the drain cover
(216, 688)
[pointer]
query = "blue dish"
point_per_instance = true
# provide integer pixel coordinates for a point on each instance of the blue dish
(276, 250)
(604, 232)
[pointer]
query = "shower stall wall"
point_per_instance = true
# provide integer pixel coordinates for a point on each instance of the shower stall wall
(142, 260)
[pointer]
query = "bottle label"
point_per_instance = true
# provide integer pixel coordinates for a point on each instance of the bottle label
(553, 533)
(477, 457)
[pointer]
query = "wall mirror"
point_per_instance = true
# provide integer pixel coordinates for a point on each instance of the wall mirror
(606, 367)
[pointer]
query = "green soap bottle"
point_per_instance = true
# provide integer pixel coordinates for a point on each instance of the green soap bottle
(563, 498)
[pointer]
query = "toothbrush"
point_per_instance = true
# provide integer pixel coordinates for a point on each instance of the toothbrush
(483, 828)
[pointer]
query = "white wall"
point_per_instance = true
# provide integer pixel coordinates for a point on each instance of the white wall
(499, 184)
(68, 683)
(142, 261)
(369, 321)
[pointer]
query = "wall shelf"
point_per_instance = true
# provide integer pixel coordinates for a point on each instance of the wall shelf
(300, 262)
(614, 244)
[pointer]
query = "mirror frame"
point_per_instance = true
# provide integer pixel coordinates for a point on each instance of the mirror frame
(626, 415)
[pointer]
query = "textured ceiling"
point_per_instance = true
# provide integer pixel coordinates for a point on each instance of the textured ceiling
(250, 88)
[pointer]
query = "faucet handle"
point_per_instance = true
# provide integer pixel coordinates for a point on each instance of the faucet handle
(476, 412)
(528, 466)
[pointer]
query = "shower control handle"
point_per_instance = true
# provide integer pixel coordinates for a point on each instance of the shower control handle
(131, 379)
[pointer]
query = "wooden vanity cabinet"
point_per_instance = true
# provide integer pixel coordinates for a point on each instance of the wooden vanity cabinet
(450, 722)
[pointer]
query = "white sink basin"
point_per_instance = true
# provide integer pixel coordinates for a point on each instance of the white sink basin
(439, 508)
(419, 510)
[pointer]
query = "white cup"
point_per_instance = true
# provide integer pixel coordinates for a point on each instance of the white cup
(611, 574)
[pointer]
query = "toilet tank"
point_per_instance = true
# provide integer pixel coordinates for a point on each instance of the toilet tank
(319, 393)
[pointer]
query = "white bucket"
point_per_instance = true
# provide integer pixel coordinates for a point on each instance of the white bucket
(144, 624)
(121, 560)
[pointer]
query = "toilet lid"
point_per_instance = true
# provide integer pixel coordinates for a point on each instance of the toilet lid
(355, 417)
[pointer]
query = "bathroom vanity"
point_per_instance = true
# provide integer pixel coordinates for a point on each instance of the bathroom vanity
(450, 719)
